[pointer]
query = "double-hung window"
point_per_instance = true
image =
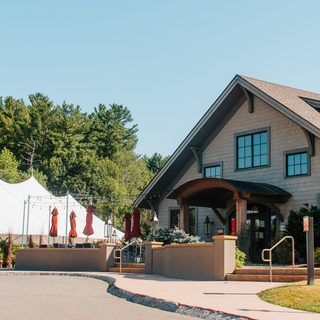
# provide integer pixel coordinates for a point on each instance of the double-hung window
(252, 149)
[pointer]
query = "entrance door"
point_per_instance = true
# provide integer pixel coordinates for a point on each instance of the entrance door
(261, 228)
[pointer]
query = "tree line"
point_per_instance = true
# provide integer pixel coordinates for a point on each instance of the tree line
(68, 150)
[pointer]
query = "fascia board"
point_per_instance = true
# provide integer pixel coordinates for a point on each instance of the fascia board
(189, 138)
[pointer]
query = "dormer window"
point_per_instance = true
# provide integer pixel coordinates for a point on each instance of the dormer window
(313, 103)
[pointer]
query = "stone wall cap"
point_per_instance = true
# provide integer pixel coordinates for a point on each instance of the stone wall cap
(107, 244)
(154, 243)
(190, 245)
(224, 238)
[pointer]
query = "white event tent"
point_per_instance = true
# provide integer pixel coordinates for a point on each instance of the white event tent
(14, 205)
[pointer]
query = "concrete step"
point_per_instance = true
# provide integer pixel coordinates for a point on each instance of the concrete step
(276, 271)
(128, 268)
(130, 265)
(279, 274)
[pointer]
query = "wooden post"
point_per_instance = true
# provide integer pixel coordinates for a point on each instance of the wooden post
(184, 218)
(241, 216)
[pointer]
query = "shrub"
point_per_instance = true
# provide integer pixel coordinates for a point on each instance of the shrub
(283, 252)
(175, 236)
(294, 227)
(240, 258)
(317, 256)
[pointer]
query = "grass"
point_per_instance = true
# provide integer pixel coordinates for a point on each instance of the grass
(296, 295)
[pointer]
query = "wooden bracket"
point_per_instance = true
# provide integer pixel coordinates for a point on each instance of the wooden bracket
(197, 155)
(249, 97)
(220, 217)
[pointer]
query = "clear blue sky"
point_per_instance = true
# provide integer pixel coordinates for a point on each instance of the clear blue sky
(167, 61)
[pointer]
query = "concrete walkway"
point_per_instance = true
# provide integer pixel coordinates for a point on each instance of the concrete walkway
(228, 297)
(231, 297)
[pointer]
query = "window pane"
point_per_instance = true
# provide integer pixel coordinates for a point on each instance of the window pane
(290, 160)
(264, 137)
(290, 170)
(241, 152)
(248, 151)
(264, 148)
(241, 163)
(297, 159)
(256, 161)
(192, 222)
(264, 160)
(174, 221)
(241, 142)
(256, 150)
(297, 170)
(207, 173)
(304, 158)
(304, 169)
(248, 162)
(247, 141)
(218, 172)
(256, 138)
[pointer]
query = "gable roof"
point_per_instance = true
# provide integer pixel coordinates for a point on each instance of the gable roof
(286, 100)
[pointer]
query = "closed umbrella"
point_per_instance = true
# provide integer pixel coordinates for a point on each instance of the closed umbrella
(127, 235)
(73, 231)
(88, 230)
(54, 226)
(135, 233)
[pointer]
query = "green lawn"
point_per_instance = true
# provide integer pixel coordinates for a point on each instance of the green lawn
(296, 295)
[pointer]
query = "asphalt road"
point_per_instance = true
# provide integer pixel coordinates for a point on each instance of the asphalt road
(55, 297)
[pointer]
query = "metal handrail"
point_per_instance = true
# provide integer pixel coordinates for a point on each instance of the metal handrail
(120, 250)
(270, 254)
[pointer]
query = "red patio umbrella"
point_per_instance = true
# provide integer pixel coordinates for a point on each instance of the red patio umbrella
(88, 228)
(135, 233)
(54, 226)
(127, 235)
(73, 231)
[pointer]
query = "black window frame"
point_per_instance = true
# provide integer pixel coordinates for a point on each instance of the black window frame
(246, 134)
(212, 165)
(294, 152)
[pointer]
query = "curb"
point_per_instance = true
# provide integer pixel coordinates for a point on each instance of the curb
(137, 298)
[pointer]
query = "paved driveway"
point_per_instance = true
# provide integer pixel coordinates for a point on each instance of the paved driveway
(54, 297)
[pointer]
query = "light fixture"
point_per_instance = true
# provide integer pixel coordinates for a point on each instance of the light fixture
(114, 236)
(108, 229)
(154, 225)
(207, 227)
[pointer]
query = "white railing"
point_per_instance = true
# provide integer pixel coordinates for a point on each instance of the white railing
(270, 254)
(128, 245)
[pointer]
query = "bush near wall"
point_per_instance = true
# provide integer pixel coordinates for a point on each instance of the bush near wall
(174, 236)
(294, 227)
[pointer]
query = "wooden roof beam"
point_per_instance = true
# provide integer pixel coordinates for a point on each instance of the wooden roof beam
(219, 216)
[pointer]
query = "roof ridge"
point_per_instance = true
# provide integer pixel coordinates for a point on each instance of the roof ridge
(252, 80)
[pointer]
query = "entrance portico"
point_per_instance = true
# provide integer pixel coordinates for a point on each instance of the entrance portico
(215, 193)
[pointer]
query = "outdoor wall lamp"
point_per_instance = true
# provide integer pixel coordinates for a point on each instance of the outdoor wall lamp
(114, 236)
(108, 229)
(207, 227)
(154, 225)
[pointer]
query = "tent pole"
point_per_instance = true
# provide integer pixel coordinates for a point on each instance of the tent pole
(24, 213)
(49, 226)
(28, 221)
(66, 239)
